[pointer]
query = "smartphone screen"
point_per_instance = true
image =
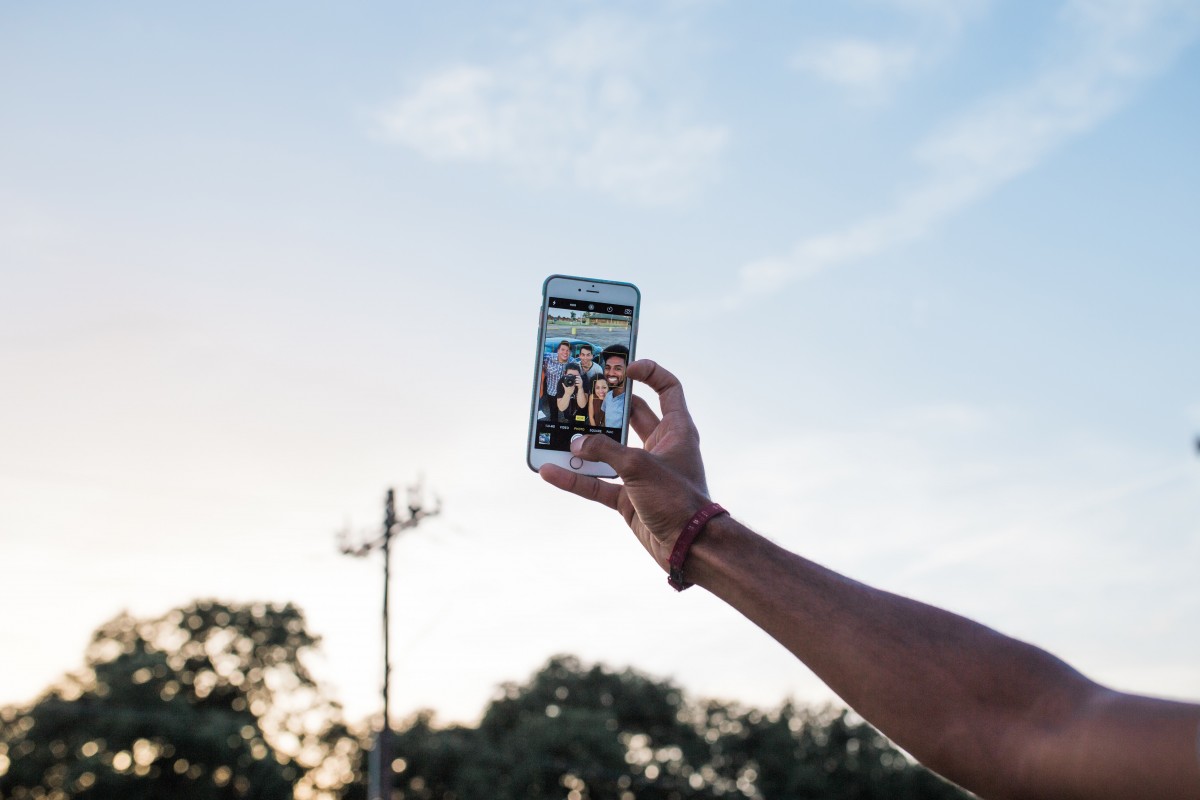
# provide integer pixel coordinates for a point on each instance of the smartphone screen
(586, 339)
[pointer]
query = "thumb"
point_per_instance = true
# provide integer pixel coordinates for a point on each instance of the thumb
(598, 447)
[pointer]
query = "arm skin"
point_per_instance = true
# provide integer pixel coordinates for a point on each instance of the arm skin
(993, 714)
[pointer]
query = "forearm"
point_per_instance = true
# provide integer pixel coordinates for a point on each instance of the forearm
(1000, 717)
(950, 691)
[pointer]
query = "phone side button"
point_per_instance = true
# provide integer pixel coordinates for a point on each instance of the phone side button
(576, 462)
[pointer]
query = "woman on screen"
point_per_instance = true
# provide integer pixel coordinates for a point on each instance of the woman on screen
(595, 412)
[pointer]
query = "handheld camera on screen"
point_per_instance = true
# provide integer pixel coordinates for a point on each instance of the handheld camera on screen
(587, 330)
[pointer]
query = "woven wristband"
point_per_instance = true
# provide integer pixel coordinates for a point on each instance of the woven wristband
(683, 544)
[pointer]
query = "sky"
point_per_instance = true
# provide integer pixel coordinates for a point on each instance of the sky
(926, 269)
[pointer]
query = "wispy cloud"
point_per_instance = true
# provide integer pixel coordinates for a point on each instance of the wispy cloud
(910, 481)
(1116, 47)
(1062, 542)
(947, 14)
(858, 64)
(870, 70)
(587, 105)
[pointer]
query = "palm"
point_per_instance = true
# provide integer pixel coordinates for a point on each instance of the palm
(662, 482)
(658, 504)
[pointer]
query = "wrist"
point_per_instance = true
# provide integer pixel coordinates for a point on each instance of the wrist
(685, 540)
(713, 551)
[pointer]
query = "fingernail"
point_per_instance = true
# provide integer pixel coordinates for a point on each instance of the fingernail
(576, 443)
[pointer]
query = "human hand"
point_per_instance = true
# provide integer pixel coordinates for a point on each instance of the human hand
(663, 483)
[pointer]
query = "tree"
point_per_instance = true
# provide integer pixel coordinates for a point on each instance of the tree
(825, 754)
(208, 701)
(583, 729)
(214, 702)
(589, 733)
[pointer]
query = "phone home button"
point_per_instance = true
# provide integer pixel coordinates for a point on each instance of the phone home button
(576, 462)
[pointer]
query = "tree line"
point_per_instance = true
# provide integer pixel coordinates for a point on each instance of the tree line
(213, 701)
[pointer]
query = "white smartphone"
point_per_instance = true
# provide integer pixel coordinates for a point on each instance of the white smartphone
(587, 330)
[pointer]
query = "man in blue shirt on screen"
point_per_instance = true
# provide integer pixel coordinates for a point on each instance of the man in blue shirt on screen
(614, 358)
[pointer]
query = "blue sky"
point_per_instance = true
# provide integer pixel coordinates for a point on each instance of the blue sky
(926, 268)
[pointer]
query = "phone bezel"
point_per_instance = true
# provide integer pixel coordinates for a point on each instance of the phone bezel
(600, 290)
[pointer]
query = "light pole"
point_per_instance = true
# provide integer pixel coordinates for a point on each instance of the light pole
(380, 776)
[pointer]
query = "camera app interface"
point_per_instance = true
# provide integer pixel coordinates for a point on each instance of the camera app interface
(581, 383)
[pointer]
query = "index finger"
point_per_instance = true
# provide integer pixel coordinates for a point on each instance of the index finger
(668, 387)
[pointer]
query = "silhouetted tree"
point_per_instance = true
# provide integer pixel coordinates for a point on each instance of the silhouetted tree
(588, 733)
(573, 728)
(208, 701)
(826, 754)
(214, 702)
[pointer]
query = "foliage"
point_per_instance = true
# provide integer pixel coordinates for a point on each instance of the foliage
(215, 702)
(208, 701)
(588, 733)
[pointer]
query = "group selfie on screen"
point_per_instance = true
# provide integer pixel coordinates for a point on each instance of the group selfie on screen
(583, 387)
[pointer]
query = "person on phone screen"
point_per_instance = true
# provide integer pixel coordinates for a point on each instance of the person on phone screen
(595, 410)
(588, 366)
(614, 358)
(552, 371)
(572, 401)
(1000, 717)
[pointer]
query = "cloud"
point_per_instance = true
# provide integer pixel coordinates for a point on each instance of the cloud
(947, 14)
(857, 64)
(870, 70)
(906, 483)
(449, 117)
(1075, 542)
(587, 105)
(1118, 46)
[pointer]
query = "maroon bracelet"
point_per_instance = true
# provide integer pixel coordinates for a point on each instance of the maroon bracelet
(684, 543)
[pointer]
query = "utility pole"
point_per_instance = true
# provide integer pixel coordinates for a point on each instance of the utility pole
(380, 771)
